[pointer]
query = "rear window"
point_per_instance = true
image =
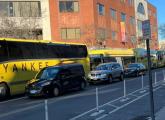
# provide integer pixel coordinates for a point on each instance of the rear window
(102, 67)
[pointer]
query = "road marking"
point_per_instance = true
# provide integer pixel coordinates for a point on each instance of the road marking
(143, 91)
(113, 105)
(134, 95)
(103, 116)
(19, 110)
(124, 99)
(97, 113)
(80, 115)
(13, 100)
(126, 104)
(82, 94)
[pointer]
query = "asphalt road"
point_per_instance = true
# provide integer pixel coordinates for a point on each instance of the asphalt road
(81, 105)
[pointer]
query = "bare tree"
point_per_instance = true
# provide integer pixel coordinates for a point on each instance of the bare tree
(27, 26)
(94, 37)
(102, 34)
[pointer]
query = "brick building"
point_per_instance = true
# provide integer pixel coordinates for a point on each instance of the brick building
(97, 23)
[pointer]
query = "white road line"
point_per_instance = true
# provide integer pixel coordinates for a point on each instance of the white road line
(113, 105)
(19, 110)
(103, 116)
(126, 104)
(83, 94)
(80, 115)
(97, 113)
(134, 95)
(13, 100)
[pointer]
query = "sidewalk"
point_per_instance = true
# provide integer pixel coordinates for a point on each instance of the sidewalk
(160, 115)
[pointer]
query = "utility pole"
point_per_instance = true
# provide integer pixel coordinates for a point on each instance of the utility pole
(150, 80)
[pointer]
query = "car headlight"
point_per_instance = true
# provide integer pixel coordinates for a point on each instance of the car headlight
(89, 75)
(46, 83)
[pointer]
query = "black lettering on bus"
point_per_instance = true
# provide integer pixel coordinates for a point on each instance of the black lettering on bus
(15, 69)
(24, 68)
(46, 64)
(5, 67)
(32, 66)
(40, 65)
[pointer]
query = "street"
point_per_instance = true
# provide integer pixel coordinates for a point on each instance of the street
(81, 105)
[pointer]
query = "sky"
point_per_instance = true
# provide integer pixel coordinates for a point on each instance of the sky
(160, 5)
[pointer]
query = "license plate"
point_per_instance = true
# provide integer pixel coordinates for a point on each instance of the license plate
(33, 91)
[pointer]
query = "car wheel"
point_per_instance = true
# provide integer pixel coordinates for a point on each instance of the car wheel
(82, 85)
(4, 91)
(110, 80)
(56, 91)
(121, 77)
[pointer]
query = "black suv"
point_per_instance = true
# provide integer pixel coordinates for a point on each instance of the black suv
(106, 72)
(56, 79)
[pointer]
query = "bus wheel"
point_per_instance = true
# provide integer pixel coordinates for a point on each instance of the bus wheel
(56, 91)
(4, 92)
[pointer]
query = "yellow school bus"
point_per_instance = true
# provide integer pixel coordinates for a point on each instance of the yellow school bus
(20, 60)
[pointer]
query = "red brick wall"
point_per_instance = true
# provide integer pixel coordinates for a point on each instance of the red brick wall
(88, 19)
(154, 26)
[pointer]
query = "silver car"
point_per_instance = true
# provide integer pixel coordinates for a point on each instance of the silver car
(106, 72)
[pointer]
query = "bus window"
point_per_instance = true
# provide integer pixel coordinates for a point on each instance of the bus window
(41, 50)
(29, 51)
(15, 51)
(3, 51)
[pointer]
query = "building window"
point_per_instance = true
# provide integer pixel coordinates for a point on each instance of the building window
(101, 9)
(140, 9)
(69, 6)
(123, 17)
(113, 35)
(122, 1)
(113, 14)
(131, 2)
(20, 9)
(140, 34)
(70, 33)
(133, 39)
(149, 12)
(132, 20)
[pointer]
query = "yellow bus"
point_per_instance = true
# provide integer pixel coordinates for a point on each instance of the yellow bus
(122, 56)
(20, 60)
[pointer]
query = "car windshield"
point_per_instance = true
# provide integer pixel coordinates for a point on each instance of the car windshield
(101, 67)
(48, 73)
(133, 66)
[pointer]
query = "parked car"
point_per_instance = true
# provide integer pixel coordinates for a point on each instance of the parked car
(56, 80)
(135, 69)
(106, 72)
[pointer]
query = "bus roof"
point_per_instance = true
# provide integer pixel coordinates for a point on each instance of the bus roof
(112, 52)
(37, 41)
